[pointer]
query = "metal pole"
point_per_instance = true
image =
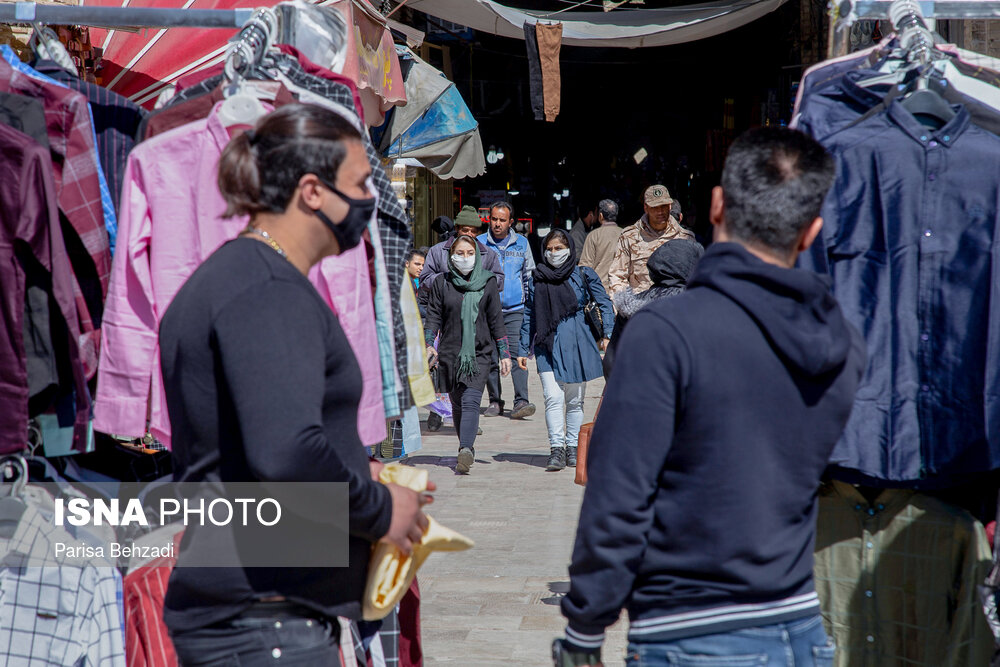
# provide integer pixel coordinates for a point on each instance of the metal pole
(123, 17)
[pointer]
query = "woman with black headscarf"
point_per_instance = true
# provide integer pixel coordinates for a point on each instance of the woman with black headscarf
(554, 328)
(669, 267)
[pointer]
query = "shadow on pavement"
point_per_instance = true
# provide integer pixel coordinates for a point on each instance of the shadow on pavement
(442, 461)
(536, 460)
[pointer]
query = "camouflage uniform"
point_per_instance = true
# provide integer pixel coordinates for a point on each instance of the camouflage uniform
(636, 244)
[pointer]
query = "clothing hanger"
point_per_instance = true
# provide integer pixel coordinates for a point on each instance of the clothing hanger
(242, 104)
(927, 104)
(15, 469)
(45, 45)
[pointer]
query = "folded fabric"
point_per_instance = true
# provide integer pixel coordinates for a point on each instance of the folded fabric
(390, 573)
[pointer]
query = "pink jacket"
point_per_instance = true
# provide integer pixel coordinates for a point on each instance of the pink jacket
(170, 221)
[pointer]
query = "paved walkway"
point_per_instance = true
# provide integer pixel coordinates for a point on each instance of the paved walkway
(498, 603)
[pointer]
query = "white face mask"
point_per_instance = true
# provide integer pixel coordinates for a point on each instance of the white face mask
(463, 264)
(557, 257)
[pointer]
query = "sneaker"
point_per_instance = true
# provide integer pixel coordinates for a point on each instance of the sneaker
(465, 459)
(434, 422)
(494, 410)
(522, 409)
(571, 457)
(557, 459)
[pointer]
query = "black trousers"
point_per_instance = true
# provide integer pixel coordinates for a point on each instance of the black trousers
(465, 402)
(255, 641)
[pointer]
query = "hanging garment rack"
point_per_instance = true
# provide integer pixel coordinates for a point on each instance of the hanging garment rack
(123, 17)
(941, 9)
(908, 17)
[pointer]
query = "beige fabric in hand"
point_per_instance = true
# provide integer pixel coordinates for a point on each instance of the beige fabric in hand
(390, 573)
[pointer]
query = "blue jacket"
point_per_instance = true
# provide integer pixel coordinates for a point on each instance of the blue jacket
(517, 262)
(574, 356)
(704, 464)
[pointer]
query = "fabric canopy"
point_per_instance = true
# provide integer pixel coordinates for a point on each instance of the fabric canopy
(436, 126)
(628, 28)
(141, 65)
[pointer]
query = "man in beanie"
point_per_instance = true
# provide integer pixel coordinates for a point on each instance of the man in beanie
(467, 223)
(637, 242)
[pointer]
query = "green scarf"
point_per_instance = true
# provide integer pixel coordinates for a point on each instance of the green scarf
(472, 288)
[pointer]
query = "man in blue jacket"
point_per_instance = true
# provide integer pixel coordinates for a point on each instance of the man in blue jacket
(518, 263)
(726, 401)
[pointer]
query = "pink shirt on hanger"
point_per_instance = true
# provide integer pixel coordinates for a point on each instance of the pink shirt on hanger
(171, 221)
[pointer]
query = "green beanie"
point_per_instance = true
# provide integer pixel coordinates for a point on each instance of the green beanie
(468, 217)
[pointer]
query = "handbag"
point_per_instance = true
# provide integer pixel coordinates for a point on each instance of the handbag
(592, 314)
(582, 445)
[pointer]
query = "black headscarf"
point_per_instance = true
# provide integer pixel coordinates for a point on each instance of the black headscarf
(672, 263)
(555, 298)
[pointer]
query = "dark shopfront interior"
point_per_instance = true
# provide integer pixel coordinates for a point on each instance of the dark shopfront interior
(683, 104)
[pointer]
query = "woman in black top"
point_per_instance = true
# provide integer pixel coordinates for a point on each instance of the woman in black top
(262, 385)
(465, 308)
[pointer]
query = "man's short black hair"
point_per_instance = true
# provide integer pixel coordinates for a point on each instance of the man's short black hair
(503, 204)
(422, 252)
(586, 204)
(774, 183)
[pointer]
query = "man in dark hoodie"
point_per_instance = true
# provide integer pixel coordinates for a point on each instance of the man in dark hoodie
(700, 509)
(669, 267)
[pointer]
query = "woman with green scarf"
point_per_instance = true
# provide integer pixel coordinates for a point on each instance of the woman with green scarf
(465, 308)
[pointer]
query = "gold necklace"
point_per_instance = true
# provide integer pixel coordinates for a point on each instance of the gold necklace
(267, 238)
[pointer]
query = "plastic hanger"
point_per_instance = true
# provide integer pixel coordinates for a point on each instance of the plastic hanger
(242, 105)
(46, 46)
(241, 109)
(929, 105)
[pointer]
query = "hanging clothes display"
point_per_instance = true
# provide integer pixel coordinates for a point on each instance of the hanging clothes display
(897, 578)
(107, 211)
(334, 92)
(30, 218)
(908, 239)
(116, 121)
(172, 177)
(78, 193)
(55, 610)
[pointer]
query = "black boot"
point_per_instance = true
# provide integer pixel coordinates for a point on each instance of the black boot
(557, 459)
(571, 457)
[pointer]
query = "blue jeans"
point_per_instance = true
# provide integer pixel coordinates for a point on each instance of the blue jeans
(512, 321)
(801, 643)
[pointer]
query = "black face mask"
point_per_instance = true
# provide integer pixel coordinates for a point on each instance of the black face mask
(349, 230)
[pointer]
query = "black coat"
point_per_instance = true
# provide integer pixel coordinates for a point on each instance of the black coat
(444, 314)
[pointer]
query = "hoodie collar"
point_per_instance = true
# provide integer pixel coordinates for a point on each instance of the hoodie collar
(793, 307)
